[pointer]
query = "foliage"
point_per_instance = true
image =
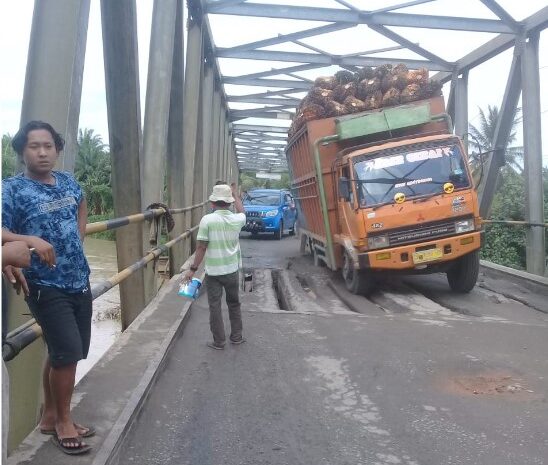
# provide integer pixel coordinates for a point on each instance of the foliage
(504, 244)
(93, 172)
(249, 181)
(108, 235)
(9, 157)
(483, 137)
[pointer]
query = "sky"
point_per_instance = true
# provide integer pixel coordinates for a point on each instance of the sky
(486, 82)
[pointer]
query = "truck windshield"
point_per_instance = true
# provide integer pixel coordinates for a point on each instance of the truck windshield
(415, 171)
(261, 199)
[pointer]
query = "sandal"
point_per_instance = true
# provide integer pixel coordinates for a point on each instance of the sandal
(90, 431)
(71, 446)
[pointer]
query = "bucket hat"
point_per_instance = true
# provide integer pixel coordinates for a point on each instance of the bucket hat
(222, 193)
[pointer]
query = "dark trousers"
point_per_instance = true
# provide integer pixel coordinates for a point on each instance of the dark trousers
(215, 285)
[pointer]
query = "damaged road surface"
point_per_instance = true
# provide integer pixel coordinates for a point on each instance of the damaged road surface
(414, 375)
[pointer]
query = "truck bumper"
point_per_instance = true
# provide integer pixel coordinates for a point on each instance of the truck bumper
(401, 258)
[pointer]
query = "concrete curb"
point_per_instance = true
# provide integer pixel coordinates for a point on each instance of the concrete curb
(108, 454)
(521, 275)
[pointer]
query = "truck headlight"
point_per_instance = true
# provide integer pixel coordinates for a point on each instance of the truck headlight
(271, 213)
(464, 226)
(376, 242)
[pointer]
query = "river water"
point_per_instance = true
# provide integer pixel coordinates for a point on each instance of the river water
(106, 325)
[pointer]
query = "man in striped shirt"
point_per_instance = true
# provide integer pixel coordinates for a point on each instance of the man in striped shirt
(218, 241)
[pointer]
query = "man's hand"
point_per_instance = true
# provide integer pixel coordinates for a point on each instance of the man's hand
(238, 205)
(44, 250)
(16, 277)
(16, 253)
(187, 276)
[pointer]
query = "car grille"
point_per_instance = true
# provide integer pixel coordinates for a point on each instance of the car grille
(434, 230)
(253, 214)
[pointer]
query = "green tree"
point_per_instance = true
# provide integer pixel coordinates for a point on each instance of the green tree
(9, 157)
(93, 172)
(504, 244)
(483, 137)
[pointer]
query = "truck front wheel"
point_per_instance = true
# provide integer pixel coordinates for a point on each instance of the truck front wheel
(462, 276)
(356, 281)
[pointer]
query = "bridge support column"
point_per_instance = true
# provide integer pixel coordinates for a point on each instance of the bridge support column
(191, 109)
(461, 107)
(156, 121)
(119, 23)
(197, 179)
(226, 143)
(221, 151)
(503, 129)
(208, 113)
(535, 251)
(216, 135)
(174, 164)
(57, 49)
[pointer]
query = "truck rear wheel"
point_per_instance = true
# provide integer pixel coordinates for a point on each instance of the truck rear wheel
(356, 281)
(462, 276)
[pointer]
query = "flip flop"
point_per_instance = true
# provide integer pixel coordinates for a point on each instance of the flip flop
(63, 445)
(89, 433)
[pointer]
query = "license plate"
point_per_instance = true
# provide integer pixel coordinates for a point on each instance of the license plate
(427, 255)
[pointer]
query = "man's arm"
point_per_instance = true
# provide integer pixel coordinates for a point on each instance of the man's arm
(238, 205)
(82, 218)
(201, 248)
(43, 248)
(16, 255)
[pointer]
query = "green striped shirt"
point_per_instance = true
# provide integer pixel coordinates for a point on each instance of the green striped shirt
(221, 230)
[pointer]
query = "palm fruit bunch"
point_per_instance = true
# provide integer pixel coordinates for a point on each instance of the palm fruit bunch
(353, 104)
(342, 91)
(366, 89)
(344, 77)
(325, 82)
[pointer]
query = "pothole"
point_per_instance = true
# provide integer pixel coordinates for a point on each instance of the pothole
(280, 296)
(247, 284)
(489, 384)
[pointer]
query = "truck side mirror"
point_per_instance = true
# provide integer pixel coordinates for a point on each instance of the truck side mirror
(344, 188)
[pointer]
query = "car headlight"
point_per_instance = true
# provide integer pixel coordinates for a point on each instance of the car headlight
(271, 213)
(376, 242)
(464, 226)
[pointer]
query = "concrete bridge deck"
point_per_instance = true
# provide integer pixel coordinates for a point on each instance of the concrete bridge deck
(414, 375)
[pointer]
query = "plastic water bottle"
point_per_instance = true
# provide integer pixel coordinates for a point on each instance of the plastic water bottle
(190, 289)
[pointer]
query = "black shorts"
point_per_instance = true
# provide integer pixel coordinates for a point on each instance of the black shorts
(65, 319)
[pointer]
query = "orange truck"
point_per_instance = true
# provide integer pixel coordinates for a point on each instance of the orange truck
(387, 191)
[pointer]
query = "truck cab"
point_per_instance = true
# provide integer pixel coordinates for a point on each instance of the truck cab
(409, 206)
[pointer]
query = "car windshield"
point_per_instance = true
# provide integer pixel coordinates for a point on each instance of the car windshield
(261, 199)
(413, 171)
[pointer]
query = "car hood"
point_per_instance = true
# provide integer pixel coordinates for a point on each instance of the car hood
(260, 208)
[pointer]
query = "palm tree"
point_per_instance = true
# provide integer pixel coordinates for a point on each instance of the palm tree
(482, 140)
(93, 171)
(9, 157)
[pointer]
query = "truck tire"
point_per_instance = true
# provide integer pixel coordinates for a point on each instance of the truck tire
(462, 276)
(280, 232)
(356, 281)
(292, 230)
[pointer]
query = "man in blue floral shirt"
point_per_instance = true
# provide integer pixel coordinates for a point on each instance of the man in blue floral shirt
(47, 210)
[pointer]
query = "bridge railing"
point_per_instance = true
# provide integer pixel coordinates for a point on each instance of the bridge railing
(29, 331)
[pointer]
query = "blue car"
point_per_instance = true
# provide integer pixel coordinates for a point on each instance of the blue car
(270, 210)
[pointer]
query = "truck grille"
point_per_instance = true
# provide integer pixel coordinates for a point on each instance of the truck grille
(434, 230)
